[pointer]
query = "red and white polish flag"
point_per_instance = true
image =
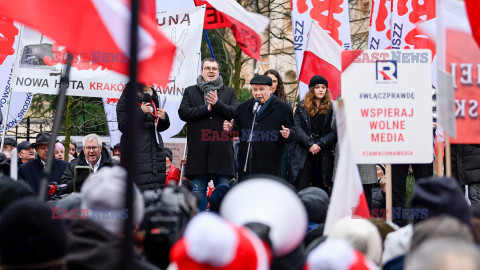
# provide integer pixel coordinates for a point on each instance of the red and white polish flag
(322, 56)
(348, 198)
(99, 27)
(379, 35)
(473, 7)
(247, 27)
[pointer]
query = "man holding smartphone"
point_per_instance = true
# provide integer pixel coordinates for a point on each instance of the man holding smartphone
(93, 157)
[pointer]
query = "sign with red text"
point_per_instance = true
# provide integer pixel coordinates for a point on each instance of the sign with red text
(388, 105)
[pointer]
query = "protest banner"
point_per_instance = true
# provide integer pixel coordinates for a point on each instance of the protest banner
(379, 34)
(331, 16)
(386, 95)
(19, 102)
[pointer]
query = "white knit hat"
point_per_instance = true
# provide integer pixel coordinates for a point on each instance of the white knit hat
(103, 194)
(361, 234)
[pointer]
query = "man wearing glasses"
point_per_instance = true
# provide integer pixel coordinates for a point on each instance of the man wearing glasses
(93, 155)
(210, 151)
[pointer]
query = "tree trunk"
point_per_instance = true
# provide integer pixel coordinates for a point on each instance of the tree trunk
(237, 69)
(68, 127)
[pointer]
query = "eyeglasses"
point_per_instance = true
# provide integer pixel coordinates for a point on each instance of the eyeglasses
(90, 148)
(210, 68)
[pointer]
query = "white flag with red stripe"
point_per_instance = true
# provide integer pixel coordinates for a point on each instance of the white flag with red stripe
(322, 56)
(332, 16)
(348, 198)
(380, 23)
(247, 27)
(98, 31)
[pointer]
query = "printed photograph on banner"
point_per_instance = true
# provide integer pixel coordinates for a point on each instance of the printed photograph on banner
(19, 101)
(41, 63)
(385, 93)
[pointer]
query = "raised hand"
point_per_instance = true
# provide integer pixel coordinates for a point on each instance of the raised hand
(227, 126)
(285, 132)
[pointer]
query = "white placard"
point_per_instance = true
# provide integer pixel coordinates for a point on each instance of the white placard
(388, 105)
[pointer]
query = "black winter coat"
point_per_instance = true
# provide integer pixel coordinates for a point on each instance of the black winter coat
(31, 172)
(299, 148)
(210, 150)
(466, 163)
(90, 246)
(267, 143)
(68, 175)
(151, 157)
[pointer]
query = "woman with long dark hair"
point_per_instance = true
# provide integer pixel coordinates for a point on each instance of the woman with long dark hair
(312, 153)
(277, 84)
(151, 121)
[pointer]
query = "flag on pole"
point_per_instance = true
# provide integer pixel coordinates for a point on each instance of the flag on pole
(379, 34)
(98, 30)
(473, 6)
(322, 56)
(247, 27)
(348, 198)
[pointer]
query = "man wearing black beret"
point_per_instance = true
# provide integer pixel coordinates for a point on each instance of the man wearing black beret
(273, 127)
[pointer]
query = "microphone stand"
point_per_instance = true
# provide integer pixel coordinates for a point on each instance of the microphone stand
(248, 158)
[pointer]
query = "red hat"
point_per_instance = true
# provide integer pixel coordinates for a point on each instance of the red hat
(209, 242)
(337, 254)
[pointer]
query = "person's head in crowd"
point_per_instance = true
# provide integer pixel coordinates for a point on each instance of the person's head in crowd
(217, 196)
(278, 89)
(26, 152)
(105, 190)
(209, 242)
(9, 144)
(72, 148)
(380, 170)
(59, 151)
(361, 234)
(384, 227)
(444, 254)
(337, 254)
(116, 150)
(167, 213)
(30, 238)
(11, 191)
(440, 226)
(169, 156)
(210, 70)
(41, 145)
(316, 202)
(432, 198)
(396, 246)
(261, 87)
(318, 97)
(275, 213)
(475, 212)
(92, 148)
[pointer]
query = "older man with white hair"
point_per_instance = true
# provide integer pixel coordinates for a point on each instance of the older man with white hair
(93, 155)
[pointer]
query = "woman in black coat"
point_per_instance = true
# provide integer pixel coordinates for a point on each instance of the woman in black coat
(151, 121)
(311, 153)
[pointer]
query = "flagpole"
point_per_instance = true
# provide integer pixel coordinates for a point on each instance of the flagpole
(208, 43)
(64, 82)
(5, 120)
(448, 156)
(131, 150)
(388, 187)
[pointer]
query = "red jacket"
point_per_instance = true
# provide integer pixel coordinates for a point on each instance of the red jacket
(173, 174)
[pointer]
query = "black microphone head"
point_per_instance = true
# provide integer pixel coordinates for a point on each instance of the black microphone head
(257, 100)
(146, 97)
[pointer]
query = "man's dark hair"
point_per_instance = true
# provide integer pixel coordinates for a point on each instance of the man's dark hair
(210, 60)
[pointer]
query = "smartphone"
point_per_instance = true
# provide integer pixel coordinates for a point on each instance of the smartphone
(80, 174)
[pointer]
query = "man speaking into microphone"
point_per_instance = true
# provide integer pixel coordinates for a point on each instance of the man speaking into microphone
(272, 122)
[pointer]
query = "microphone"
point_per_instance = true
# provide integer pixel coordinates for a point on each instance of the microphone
(256, 105)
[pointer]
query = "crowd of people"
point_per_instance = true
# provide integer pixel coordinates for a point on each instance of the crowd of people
(254, 194)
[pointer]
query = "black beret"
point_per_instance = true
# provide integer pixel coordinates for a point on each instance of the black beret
(10, 141)
(317, 79)
(261, 80)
